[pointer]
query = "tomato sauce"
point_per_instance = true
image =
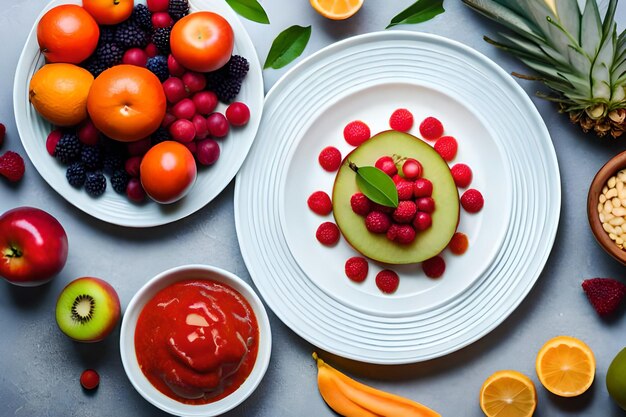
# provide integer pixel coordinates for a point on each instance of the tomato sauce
(196, 341)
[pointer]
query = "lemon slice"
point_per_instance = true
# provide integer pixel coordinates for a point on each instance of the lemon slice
(337, 9)
(508, 394)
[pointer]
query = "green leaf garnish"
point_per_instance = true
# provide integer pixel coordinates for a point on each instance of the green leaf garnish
(418, 12)
(376, 185)
(287, 46)
(250, 9)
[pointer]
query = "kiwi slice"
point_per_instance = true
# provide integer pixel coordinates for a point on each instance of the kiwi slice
(88, 309)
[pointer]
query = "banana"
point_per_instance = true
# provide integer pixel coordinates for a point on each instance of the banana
(350, 398)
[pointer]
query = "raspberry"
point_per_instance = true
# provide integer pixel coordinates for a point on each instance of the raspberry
(422, 188)
(330, 159)
(95, 184)
(356, 268)
(412, 169)
(3, 131)
(431, 128)
(319, 202)
(12, 166)
(446, 146)
(356, 132)
(401, 120)
(51, 142)
(604, 294)
(462, 175)
(422, 221)
(425, 204)
(434, 267)
(458, 244)
(472, 200)
(327, 233)
(377, 222)
(360, 204)
(405, 190)
(387, 281)
(387, 165)
(382, 209)
(405, 234)
(76, 174)
(405, 212)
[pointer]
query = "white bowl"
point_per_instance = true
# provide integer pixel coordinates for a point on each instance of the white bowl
(127, 341)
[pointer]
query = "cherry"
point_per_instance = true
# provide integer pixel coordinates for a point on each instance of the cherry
(422, 188)
(202, 130)
(162, 20)
(174, 90)
(208, 152)
(194, 81)
(151, 50)
(426, 204)
(184, 109)
(176, 70)
(88, 134)
(131, 166)
(135, 56)
(51, 142)
(422, 221)
(205, 101)
(218, 125)
(158, 5)
(412, 169)
(387, 165)
(238, 114)
(89, 379)
(139, 147)
(168, 119)
(135, 191)
(183, 130)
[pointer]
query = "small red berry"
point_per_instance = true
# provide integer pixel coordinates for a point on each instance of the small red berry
(131, 166)
(360, 204)
(89, 379)
(158, 5)
(135, 191)
(12, 166)
(175, 69)
(140, 147)
(392, 232)
(462, 175)
(382, 209)
(405, 190)
(422, 221)
(387, 165)
(377, 222)
(3, 132)
(412, 169)
(238, 114)
(405, 212)
(51, 142)
(88, 134)
(327, 233)
(458, 244)
(135, 56)
(401, 120)
(447, 147)
(397, 178)
(425, 204)
(431, 128)
(330, 159)
(472, 200)
(319, 202)
(151, 50)
(218, 125)
(356, 268)
(356, 132)
(422, 188)
(434, 267)
(405, 234)
(387, 281)
(162, 20)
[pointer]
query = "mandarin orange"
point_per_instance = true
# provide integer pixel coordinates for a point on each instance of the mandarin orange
(109, 12)
(67, 33)
(167, 172)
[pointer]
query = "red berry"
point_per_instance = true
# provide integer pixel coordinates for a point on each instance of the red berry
(392, 232)
(208, 152)
(88, 134)
(184, 109)
(458, 244)
(397, 178)
(168, 119)
(218, 125)
(51, 142)
(360, 204)
(356, 132)
(183, 131)
(205, 101)
(405, 190)
(422, 188)
(356, 268)
(405, 212)
(3, 131)
(472, 200)
(327, 233)
(604, 294)
(199, 122)
(412, 169)
(377, 222)
(401, 120)
(422, 221)
(135, 191)
(12, 166)
(151, 50)
(330, 158)
(382, 209)
(135, 56)
(162, 20)
(140, 147)
(462, 175)
(425, 204)
(434, 267)
(89, 379)
(405, 234)
(158, 5)
(174, 90)
(447, 147)
(175, 69)
(238, 114)
(193, 147)
(387, 165)
(194, 81)
(387, 281)
(131, 166)
(431, 128)
(319, 202)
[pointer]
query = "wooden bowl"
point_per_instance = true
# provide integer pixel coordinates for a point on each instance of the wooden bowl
(612, 167)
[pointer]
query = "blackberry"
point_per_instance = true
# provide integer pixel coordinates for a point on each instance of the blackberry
(95, 66)
(91, 157)
(178, 9)
(68, 148)
(158, 65)
(95, 184)
(111, 163)
(225, 87)
(129, 35)
(161, 135)
(161, 38)
(109, 54)
(76, 174)
(142, 16)
(107, 34)
(238, 67)
(119, 181)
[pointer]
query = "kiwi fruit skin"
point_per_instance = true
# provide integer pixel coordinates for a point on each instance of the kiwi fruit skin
(101, 302)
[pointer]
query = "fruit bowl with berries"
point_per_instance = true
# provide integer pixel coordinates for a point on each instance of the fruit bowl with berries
(130, 118)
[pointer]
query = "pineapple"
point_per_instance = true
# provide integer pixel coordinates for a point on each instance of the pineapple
(576, 54)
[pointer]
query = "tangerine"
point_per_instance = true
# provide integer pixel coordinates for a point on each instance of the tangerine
(109, 12)
(67, 33)
(126, 103)
(167, 172)
(59, 93)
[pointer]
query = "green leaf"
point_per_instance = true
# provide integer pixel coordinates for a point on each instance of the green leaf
(420, 11)
(287, 46)
(250, 9)
(376, 185)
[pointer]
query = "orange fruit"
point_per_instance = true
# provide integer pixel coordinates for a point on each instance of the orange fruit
(508, 394)
(59, 93)
(566, 366)
(126, 103)
(167, 172)
(68, 34)
(337, 9)
(109, 12)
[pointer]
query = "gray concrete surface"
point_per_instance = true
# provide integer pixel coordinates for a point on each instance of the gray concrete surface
(40, 367)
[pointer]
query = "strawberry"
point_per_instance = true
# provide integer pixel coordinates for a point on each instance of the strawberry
(327, 233)
(330, 159)
(472, 201)
(434, 267)
(356, 268)
(401, 120)
(431, 128)
(447, 147)
(462, 175)
(12, 166)
(360, 204)
(356, 132)
(319, 202)
(387, 281)
(604, 294)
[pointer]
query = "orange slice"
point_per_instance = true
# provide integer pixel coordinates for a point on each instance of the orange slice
(337, 9)
(508, 394)
(566, 366)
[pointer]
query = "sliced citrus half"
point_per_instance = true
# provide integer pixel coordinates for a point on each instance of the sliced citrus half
(566, 366)
(508, 394)
(337, 9)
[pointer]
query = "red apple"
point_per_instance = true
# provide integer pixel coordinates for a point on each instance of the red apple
(33, 246)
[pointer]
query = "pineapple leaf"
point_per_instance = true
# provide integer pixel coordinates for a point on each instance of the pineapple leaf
(569, 18)
(506, 17)
(608, 19)
(591, 33)
(541, 53)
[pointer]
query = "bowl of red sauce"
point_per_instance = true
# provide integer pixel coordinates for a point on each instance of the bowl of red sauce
(195, 341)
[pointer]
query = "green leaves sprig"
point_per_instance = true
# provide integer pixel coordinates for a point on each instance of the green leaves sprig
(418, 12)
(287, 46)
(376, 185)
(250, 9)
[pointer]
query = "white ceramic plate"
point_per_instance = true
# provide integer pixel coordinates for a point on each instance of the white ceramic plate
(115, 208)
(502, 137)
